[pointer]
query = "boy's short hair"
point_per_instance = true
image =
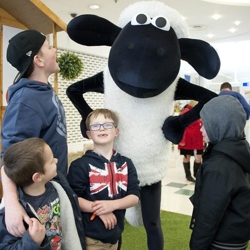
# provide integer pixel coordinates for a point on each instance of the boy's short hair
(225, 85)
(107, 113)
(23, 159)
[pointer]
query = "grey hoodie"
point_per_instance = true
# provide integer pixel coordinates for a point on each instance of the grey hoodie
(219, 116)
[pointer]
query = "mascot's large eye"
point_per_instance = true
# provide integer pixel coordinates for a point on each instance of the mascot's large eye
(161, 23)
(140, 19)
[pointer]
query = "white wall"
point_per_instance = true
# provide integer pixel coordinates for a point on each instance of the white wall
(64, 42)
(9, 72)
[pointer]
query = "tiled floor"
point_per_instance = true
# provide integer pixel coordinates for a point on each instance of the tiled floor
(176, 190)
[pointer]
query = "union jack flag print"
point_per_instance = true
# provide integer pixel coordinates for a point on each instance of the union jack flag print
(110, 178)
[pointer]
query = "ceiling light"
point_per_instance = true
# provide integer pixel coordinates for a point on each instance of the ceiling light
(94, 6)
(232, 30)
(230, 2)
(197, 27)
(210, 35)
(216, 16)
(237, 23)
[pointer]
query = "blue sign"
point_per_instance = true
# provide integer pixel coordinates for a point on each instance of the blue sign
(246, 84)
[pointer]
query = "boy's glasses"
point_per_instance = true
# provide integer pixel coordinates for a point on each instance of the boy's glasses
(96, 127)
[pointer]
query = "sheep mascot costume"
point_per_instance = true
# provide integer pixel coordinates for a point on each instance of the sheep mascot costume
(140, 83)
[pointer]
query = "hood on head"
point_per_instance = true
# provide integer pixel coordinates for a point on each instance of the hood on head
(223, 117)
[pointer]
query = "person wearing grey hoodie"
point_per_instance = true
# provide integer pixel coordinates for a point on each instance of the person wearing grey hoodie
(221, 213)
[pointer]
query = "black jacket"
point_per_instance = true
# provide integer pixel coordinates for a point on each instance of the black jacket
(93, 177)
(222, 196)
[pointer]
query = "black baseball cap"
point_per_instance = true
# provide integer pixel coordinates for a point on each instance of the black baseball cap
(22, 49)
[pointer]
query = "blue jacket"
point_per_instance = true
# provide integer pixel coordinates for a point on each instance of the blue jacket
(93, 177)
(8, 241)
(241, 99)
(34, 110)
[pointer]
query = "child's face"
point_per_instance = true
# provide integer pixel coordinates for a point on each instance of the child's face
(48, 57)
(102, 136)
(204, 134)
(50, 164)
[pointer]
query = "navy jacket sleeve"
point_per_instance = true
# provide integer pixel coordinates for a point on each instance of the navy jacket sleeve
(10, 242)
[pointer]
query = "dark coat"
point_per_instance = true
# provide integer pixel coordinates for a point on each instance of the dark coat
(221, 199)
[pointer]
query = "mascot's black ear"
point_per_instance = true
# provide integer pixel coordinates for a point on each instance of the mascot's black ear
(201, 56)
(92, 30)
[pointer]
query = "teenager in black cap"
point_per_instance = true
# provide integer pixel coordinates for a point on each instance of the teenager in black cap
(221, 214)
(33, 110)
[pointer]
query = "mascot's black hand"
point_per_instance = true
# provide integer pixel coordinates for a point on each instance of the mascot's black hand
(83, 128)
(173, 130)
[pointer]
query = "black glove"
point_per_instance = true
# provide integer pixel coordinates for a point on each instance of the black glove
(173, 130)
(83, 128)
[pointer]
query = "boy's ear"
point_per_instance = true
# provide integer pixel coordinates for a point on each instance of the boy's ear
(36, 177)
(117, 132)
(38, 61)
(88, 134)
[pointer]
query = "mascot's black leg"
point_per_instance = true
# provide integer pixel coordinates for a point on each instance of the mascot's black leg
(151, 205)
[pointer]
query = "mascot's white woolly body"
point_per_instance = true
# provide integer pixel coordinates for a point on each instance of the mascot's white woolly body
(141, 120)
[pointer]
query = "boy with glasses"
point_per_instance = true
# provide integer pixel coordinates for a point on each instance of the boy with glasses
(105, 182)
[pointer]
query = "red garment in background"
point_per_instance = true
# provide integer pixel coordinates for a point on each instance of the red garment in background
(192, 138)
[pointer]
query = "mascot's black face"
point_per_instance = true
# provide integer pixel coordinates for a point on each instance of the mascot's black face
(145, 57)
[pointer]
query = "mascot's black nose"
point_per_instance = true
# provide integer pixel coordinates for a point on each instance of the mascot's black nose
(160, 51)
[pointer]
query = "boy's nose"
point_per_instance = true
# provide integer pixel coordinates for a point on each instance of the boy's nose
(102, 127)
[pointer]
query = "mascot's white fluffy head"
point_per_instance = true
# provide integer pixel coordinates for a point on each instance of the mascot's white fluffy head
(151, 8)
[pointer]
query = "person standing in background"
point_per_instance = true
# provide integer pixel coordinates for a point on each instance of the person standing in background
(191, 144)
(226, 89)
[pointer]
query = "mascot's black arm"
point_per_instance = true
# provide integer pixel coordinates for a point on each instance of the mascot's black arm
(75, 93)
(174, 126)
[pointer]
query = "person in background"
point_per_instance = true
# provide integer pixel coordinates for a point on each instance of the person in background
(191, 144)
(105, 182)
(33, 110)
(55, 217)
(221, 213)
(226, 89)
